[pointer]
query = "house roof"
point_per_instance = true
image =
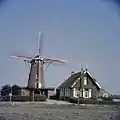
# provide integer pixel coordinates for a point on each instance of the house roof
(105, 91)
(72, 79)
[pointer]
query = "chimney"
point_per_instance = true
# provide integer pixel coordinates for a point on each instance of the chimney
(72, 72)
(86, 69)
(81, 69)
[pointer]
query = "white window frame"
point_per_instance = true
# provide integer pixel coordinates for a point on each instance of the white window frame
(75, 93)
(90, 95)
(85, 81)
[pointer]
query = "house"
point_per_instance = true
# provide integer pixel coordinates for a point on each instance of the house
(80, 84)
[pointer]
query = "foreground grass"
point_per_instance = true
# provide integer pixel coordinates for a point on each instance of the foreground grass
(57, 111)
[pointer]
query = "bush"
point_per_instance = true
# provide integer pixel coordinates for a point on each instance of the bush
(106, 98)
(93, 98)
(54, 97)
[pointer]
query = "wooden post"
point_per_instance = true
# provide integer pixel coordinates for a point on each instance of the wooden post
(10, 94)
(10, 97)
(79, 98)
(33, 95)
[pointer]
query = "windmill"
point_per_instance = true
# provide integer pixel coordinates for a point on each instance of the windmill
(36, 74)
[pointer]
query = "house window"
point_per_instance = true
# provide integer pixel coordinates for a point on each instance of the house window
(86, 94)
(85, 80)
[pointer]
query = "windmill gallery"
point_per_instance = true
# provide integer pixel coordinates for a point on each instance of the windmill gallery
(78, 85)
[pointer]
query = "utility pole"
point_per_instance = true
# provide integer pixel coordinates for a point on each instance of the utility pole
(10, 94)
(79, 91)
(80, 86)
(82, 75)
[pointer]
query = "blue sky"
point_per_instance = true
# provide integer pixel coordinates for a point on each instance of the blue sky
(81, 32)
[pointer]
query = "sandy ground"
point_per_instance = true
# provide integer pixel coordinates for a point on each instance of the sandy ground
(53, 110)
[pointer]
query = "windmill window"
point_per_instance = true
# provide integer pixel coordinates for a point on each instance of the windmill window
(85, 81)
(37, 85)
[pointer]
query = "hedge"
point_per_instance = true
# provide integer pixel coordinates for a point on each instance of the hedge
(24, 98)
(90, 101)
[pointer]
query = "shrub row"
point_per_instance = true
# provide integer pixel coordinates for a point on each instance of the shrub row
(53, 97)
(108, 100)
(24, 98)
(90, 101)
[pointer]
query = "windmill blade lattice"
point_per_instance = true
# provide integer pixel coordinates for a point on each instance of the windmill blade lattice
(40, 43)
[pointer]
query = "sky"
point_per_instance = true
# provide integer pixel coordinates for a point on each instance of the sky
(83, 32)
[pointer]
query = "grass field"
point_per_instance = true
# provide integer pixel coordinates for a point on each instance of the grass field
(52, 110)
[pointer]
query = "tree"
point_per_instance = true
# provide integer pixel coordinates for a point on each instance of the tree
(6, 89)
(16, 90)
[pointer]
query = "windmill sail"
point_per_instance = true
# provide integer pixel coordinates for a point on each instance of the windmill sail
(40, 43)
(36, 75)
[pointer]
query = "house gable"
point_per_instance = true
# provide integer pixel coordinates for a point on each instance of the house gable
(91, 81)
(75, 78)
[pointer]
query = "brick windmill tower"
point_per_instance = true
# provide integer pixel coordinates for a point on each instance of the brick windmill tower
(36, 74)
